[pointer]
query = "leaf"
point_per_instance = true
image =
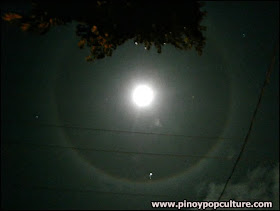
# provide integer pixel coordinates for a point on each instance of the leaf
(81, 43)
(94, 29)
(25, 26)
(89, 58)
(11, 16)
(43, 25)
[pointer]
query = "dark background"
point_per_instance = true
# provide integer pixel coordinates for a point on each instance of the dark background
(46, 83)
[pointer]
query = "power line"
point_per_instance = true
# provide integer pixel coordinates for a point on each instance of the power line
(61, 189)
(117, 151)
(36, 187)
(131, 132)
(266, 81)
(12, 142)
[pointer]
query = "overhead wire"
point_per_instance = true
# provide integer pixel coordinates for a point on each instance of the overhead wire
(266, 81)
(117, 151)
(62, 189)
(67, 126)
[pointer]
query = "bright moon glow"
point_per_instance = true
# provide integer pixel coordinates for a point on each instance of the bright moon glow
(143, 95)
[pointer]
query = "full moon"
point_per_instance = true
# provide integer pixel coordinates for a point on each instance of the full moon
(142, 95)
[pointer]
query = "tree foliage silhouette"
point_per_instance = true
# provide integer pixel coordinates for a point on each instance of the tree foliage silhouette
(104, 25)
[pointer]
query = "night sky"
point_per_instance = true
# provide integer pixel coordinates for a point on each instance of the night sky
(73, 139)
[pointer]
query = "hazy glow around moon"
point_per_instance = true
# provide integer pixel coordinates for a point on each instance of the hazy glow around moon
(142, 95)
